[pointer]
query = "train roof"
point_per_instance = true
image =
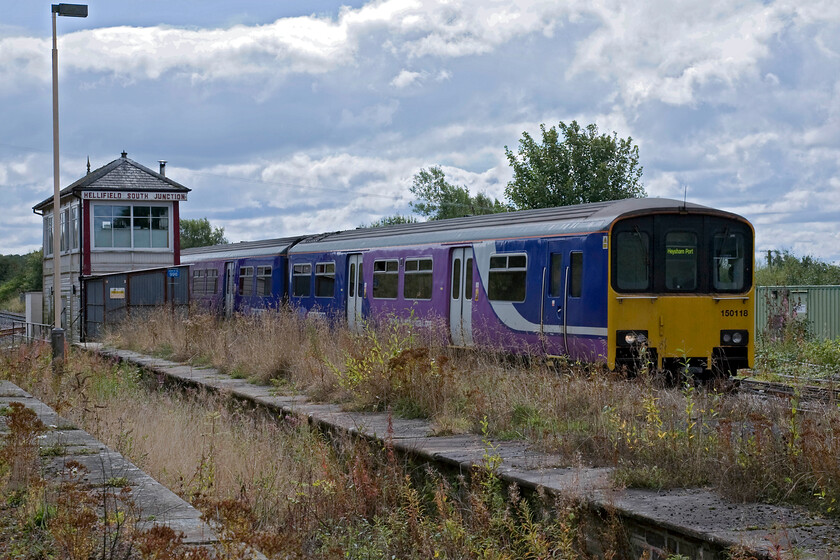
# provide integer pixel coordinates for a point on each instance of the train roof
(238, 250)
(592, 217)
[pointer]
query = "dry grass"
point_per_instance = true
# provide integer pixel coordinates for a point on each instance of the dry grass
(654, 436)
(273, 485)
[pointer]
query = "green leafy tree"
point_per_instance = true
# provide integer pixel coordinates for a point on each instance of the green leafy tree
(19, 274)
(199, 233)
(437, 199)
(783, 268)
(573, 165)
(393, 220)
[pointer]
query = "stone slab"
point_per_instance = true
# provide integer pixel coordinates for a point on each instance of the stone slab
(74, 455)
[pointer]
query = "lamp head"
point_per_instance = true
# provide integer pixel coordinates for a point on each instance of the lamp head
(70, 10)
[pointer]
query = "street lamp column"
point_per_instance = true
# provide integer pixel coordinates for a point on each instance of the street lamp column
(70, 10)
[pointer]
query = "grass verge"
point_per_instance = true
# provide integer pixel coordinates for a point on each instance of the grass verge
(273, 485)
(653, 436)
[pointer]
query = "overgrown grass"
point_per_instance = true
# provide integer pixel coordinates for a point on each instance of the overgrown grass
(787, 348)
(654, 436)
(273, 485)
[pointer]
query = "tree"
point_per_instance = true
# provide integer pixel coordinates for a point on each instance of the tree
(19, 274)
(583, 166)
(199, 233)
(393, 220)
(783, 268)
(438, 199)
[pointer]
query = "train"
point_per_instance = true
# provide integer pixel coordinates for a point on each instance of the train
(634, 283)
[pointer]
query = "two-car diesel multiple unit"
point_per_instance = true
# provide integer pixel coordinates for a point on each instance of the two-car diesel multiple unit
(625, 282)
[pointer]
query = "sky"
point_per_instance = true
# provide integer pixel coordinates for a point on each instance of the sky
(297, 117)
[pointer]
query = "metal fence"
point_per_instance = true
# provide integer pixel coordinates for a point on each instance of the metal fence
(21, 332)
(818, 305)
(110, 298)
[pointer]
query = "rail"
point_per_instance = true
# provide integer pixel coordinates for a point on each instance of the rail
(805, 392)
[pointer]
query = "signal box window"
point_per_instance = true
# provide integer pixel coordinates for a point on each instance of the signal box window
(325, 279)
(507, 278)
(212, 281)
(418, 279)
(246, 281)
(576, 272)
(729, 265)
(632, 260)
(681, 261)
(386, 276)
(263, 281)
(139, 227)
(111, 226)
(302, 280)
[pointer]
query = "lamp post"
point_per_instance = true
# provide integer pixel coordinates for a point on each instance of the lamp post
(69, 10)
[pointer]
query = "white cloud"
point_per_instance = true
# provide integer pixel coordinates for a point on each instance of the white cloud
(666, 50)
(298, 45)
(406, 78)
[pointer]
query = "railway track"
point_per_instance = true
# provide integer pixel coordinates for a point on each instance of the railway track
(6, 319)
(813, 390)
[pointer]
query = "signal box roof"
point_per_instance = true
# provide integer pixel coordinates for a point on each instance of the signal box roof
(122, 174)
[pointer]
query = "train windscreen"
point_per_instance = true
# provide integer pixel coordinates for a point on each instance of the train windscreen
(681, 254)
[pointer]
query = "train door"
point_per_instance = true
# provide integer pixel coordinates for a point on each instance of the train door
(355, 291)
(460, 296)
(230, 288)
(553, 315)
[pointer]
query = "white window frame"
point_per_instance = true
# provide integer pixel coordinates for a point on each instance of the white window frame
(170, 226)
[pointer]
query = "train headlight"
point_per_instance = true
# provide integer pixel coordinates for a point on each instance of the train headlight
(631, 338)
(734, 338)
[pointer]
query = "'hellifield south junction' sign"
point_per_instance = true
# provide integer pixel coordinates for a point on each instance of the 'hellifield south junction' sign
(133, 195)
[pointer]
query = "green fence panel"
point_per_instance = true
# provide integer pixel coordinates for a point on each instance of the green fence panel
(819, 305)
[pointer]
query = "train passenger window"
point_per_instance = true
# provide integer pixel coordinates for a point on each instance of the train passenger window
(352, 288)
(507, 278)
(576, 272)
(557, 274)
(246, 281)
(386, 276)
(456, 279)
(418, 279)
(325, 279)
(212, 281)
(729, 265)
(263, 281)
(301, 280)
(632, 264)
(198, 282)
(681, 261)
(468, 266)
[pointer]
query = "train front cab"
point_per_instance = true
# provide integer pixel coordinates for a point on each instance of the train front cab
(681, 293)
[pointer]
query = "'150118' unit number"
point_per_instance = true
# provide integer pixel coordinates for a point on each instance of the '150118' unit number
(734, 313)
